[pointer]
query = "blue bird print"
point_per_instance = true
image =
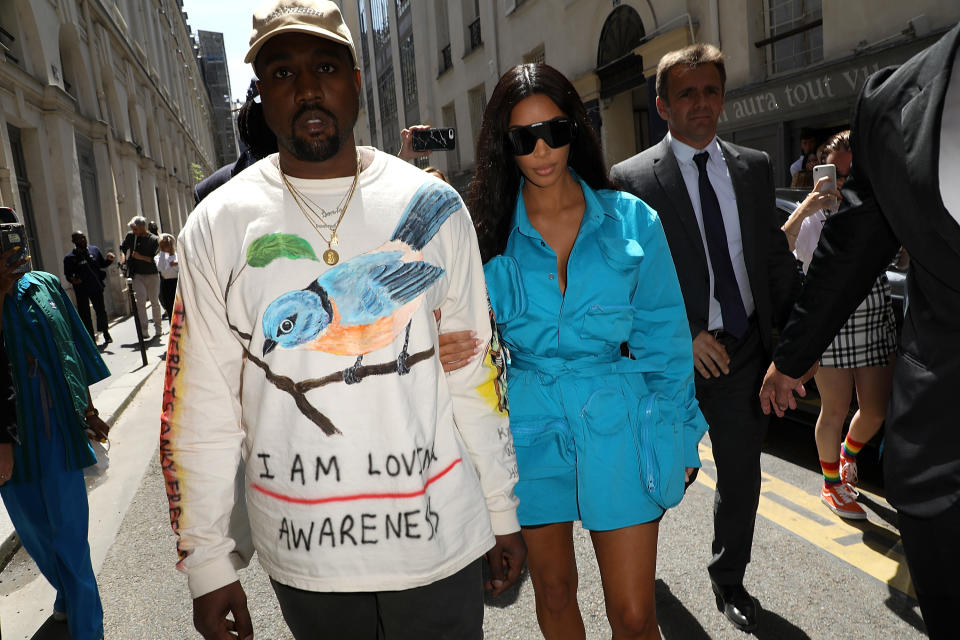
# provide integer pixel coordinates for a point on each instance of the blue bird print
(364, 303)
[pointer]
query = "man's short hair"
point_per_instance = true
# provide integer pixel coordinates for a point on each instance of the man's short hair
(137, 221)
(76, 234)
(690, 57)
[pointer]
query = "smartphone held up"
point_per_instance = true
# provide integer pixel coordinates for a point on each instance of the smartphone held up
(830, 171)
(434, 139)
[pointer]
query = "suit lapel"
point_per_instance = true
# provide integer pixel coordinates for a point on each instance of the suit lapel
(739, 176)
(668, 174)
(920, 124)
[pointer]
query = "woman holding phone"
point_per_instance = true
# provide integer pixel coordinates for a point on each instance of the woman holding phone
(860, 357)
(576, 269)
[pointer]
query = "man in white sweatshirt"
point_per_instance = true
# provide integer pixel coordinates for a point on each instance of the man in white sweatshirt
(303, 346)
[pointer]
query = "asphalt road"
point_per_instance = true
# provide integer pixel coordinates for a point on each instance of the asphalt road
(815, 576)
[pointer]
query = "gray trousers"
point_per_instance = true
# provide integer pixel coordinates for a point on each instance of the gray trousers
(147, 287)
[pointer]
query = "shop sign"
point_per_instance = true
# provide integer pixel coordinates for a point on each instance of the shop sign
(828, 87)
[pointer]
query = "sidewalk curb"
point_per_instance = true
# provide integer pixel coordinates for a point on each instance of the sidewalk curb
(111, 404)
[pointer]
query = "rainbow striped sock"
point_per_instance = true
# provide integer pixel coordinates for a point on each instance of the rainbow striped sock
(831, 472)
(851, 447)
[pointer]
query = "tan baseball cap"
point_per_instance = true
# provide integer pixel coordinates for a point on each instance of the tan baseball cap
(320, 18)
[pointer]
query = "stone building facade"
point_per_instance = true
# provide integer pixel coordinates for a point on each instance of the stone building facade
(790, 63)
(103, 116)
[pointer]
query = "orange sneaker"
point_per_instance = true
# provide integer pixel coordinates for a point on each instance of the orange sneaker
(848, 473)
(842, 501)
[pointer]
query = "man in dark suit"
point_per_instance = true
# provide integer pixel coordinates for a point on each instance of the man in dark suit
(716, 203)
(84, 268)
(904, 191)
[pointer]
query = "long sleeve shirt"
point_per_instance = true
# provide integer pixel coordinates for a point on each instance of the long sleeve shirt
(390, 482)
(621, 288)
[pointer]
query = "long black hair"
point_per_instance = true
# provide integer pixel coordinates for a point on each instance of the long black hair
(493, 192)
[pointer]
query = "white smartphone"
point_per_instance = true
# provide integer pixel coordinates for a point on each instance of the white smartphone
(830, 171)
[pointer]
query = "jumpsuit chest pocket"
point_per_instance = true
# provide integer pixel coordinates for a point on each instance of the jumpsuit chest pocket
(610, 324)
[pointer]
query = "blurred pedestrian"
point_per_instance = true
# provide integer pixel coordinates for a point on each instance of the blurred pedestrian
(808, 145)
(860, 356)
(84, 268)
(137, 252)
(169, 269)
(437, 173)
(590, 425)
(52, 361)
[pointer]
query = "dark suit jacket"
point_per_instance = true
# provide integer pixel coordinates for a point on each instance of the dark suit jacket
(654, 176)
(893, 199)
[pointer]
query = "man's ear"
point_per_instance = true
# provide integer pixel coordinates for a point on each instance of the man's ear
(663, 109)
(357, 80)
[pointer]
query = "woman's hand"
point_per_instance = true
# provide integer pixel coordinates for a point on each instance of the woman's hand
(6, 462)
(457, 349)
(819, 198)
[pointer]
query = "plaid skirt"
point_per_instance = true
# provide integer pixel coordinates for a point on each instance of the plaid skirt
(870, 335)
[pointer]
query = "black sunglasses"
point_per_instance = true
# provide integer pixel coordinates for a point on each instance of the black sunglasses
(556, 133)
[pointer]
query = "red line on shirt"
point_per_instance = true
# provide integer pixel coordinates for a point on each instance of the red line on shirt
(358, 496)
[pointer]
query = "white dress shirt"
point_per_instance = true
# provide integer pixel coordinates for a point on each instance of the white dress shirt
(950, 143)
(719, 178)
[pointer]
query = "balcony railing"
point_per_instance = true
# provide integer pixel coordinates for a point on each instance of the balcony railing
(446, 59)
(475, 39)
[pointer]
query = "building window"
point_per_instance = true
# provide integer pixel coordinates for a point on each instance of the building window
(386, 84)
(408, 72)
(536, 56)
(478, 101)
(796, 34)
(9, 47)
(471, 16)
(443, 35)
(362, 10)
(403, 6)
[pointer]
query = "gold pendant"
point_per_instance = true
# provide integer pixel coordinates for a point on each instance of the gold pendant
(334, 240)
(331, 257)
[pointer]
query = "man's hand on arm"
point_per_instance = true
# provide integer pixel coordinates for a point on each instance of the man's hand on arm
(776, 392)
(210, 614)
(709, 356)
(506, 560)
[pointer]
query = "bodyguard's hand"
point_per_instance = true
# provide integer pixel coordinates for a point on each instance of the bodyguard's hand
(709, 356)
(210, 614)
(776, 392)
(506, 562)
(6, 462)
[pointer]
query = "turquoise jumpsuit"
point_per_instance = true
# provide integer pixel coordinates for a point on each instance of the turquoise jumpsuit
(600, 437)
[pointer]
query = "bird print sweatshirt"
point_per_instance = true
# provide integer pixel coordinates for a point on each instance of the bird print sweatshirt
(363, 466)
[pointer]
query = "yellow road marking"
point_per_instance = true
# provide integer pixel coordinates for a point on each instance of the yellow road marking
(875, 551)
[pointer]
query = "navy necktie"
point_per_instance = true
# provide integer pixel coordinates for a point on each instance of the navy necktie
(725, 288)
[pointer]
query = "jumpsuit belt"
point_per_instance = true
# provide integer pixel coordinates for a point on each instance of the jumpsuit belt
(551, 368)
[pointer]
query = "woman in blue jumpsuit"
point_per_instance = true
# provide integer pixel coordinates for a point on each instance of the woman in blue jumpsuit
(575, 270)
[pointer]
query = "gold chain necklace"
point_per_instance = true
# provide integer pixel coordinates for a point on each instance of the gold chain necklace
(330, 256)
